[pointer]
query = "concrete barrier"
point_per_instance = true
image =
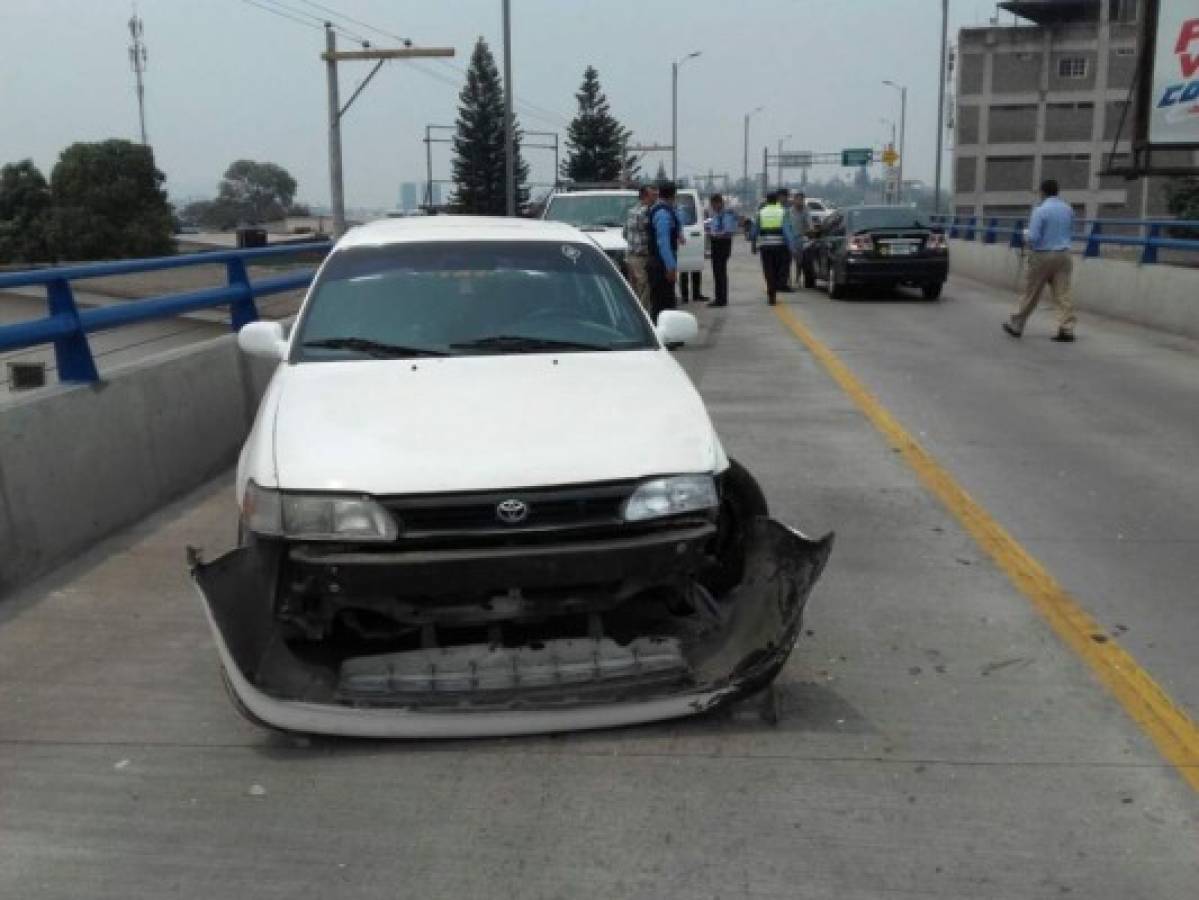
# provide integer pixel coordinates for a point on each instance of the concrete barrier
(1158, 296)
(79, 462)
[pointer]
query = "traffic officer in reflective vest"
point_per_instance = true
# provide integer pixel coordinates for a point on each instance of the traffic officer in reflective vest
(772, 245)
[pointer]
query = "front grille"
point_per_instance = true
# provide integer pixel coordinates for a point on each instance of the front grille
(444, 515)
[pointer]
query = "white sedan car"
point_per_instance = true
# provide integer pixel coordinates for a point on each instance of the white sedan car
(482, 498)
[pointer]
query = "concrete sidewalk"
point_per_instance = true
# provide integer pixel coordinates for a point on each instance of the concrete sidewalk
(936, 739)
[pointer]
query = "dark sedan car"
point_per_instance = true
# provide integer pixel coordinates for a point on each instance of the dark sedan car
(883, 246)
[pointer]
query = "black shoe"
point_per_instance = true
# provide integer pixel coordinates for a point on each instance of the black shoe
(699, 297)
(770, 299)
(1063, 337)
(1010, 330)
(712, 303)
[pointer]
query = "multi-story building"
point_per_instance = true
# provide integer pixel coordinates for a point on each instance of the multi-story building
(1043, 98)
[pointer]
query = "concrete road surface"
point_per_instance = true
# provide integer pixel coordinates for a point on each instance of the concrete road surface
(937, 739)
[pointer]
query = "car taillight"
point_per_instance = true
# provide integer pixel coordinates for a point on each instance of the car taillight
(936, 241)
(860, 243)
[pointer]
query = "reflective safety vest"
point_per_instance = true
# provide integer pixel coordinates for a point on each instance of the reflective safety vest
(770, 224)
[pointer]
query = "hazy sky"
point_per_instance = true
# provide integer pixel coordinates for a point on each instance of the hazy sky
(228, 80)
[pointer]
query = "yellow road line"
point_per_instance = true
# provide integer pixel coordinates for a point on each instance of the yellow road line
(1163, 720)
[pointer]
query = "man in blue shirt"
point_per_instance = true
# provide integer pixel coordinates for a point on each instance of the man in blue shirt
(662, 266)
(1050, 235)
(721, 228)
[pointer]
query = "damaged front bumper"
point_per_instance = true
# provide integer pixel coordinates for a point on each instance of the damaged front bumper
(661, 646)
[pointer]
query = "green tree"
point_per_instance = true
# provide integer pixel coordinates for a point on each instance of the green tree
(1182, 199)
(108, 202)
(595, 140)
(24, 207)
(661, 174)
(251, 193)
(479, 159)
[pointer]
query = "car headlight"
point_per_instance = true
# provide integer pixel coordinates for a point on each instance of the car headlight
(671, 497)
(316, 517)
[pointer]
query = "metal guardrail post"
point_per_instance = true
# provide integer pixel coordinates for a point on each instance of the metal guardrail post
(1149, 254)
(971, 225)
(242, 310)
(1016, 240)
(72, 352)
(989, 234)
(1092, 249)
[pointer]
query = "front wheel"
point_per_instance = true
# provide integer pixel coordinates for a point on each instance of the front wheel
(932, 291)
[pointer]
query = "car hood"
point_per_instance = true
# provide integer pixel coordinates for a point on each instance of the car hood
(608, 239)
(488, 422)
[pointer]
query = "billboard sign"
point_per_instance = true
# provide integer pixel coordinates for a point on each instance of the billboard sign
(1173, 112)
(800, 159)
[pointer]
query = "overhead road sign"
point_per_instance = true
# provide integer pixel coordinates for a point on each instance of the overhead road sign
(858, 156)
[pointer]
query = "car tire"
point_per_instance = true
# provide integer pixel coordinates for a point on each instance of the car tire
(932, 291)
(835, 291)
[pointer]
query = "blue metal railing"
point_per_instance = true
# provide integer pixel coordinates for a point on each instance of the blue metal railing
(67, 326)
(1089, 232)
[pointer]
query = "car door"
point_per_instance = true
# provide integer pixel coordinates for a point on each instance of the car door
(691, 254)
(832, 236)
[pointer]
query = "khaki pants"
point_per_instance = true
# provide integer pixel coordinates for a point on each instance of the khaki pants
(1048, 268)
(639, 279)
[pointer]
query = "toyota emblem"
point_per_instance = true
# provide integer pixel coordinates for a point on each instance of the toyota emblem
(512, 512)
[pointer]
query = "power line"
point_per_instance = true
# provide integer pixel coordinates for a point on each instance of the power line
(532, 110)
(300, 17)
(333, 12)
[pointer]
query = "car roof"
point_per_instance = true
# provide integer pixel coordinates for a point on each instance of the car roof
(606, 192)
(457, 228)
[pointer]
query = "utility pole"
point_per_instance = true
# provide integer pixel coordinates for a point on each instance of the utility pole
(745, 155)
(137, 59)
(903, 132)
(941, 105)
(509, 135)
(332, 56)
(337, 197)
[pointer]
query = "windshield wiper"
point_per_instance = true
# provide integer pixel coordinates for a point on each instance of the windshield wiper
(377, 349)
(515, 343)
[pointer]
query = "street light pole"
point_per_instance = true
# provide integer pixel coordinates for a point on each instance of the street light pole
(903, 119)
(941, 105)
(745, 155)
(779, 157)
(509, 131)
(674, 113)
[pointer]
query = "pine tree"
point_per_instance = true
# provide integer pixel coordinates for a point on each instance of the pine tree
(479, 142)
(595, 140)
(662, 175)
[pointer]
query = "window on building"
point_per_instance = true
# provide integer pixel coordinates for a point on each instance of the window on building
(1123, 10)
(1072, 67)
(1126, 51)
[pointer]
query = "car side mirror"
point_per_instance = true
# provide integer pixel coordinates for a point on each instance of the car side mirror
(675, 328)
(265, 339)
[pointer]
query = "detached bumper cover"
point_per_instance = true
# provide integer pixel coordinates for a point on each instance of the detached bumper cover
(481, 690)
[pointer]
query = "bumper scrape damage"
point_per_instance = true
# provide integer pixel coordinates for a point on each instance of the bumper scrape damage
(508, 640)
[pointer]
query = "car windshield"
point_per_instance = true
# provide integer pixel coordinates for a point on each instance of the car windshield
(685, 205)
(469, 298)
(591, 210)
(885, 217)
